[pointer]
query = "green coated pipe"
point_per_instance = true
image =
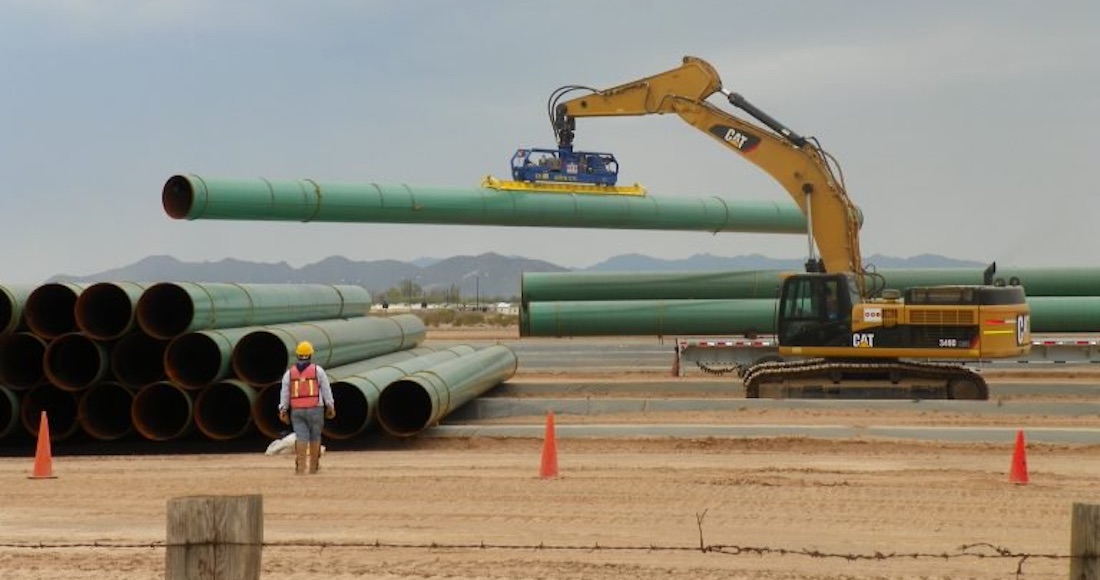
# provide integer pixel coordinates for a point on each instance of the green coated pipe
(223, 410)
(648, 318)
(193, 197)
(749, 317)
(9, 412)
(162, 411)
(424, 398)
(169, 309)
(105, 311)
(203, 357)
(60, 407)
(740, 284)
(356, 395)
(21, 358)
(265, 416)
(262, 356)
(590, 286)
(50, 308)
(104, 411)
(12, 298)
(75, 362)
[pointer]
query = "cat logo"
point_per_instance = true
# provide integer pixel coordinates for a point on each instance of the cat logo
(863, 340)
(742, 141)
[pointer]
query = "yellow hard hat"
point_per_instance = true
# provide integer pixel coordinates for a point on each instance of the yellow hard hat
(305, 349)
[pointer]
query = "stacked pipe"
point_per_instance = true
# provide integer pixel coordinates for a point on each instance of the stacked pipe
(1062, 300)
(95, 356)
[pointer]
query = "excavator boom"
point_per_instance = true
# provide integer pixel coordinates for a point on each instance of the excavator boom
(797, 163)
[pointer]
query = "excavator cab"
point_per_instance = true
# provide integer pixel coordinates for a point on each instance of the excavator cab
(563, 165)
(816, 310)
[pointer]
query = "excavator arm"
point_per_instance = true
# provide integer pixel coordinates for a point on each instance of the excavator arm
(796, 162)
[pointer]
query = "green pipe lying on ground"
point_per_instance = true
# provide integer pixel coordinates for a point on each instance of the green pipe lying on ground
(263, 355)
(356, 395)
(424, 398)
(12, 298)
(749, 317)
(727, 285)
(169, 309)
(193, 197)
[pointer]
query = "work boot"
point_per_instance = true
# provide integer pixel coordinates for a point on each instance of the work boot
(314, 456)
(300, 450)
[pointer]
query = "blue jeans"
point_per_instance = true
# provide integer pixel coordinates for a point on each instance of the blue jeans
(307, 424)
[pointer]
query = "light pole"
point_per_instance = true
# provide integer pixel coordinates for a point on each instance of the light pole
(477, 293)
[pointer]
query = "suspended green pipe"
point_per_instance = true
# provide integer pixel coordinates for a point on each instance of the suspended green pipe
(356, 396)
(193, 197)
(9, 412)
(169, 309)
(203, 357)
(262, 356)
(648, 318)
(137, 359)
(60, 407)
(223, 410)
(12, 298)
(264, 414)
(21, 358)
(1049, 314)
(104, 411)
(75, 362)
(50, 308)
(424, 398)
(161, 412)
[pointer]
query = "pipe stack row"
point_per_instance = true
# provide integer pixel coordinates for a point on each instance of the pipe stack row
(1062, 300)
(164, 360)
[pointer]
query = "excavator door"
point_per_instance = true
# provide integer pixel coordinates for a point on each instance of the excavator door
(816, 310)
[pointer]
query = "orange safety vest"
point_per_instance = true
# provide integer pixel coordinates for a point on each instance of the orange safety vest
(304, 391)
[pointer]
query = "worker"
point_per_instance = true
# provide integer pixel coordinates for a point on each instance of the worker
(305, 401)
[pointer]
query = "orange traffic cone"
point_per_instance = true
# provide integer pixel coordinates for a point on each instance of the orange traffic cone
(1018, 474)
(43, 461)
(549, 469)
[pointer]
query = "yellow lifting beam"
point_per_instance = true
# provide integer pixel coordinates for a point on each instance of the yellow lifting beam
(561, 187)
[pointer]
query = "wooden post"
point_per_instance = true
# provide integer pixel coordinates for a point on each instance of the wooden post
(214, 538)
(1084, 542)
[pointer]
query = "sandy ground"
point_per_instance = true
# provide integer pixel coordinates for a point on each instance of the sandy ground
(476, 509)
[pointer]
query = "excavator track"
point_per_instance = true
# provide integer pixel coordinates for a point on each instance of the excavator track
(862, 379)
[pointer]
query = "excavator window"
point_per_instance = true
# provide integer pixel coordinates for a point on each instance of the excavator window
(815, 309)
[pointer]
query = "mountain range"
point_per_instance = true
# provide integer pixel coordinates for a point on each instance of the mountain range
(487, 275)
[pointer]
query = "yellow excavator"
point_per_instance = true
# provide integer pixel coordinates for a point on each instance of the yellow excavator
(841, 333)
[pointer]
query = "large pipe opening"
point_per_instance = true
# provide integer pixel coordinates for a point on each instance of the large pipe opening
(265, 412)
(8, 321)
(104, 411)
(60, 407)
(9, 412)
(74, 362)
(195, 360)
(50, 310)
(165, 310)
(260, 358)
(161, 411)
(21, 358)
(177, 197)
(104, 311)
(353, 411)
(138, 360)
(224, 410)
(404, 408)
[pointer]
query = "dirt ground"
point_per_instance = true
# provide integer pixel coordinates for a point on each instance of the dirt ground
(647, 508)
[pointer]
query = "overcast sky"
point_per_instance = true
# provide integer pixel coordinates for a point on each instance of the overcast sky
(964, 128)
